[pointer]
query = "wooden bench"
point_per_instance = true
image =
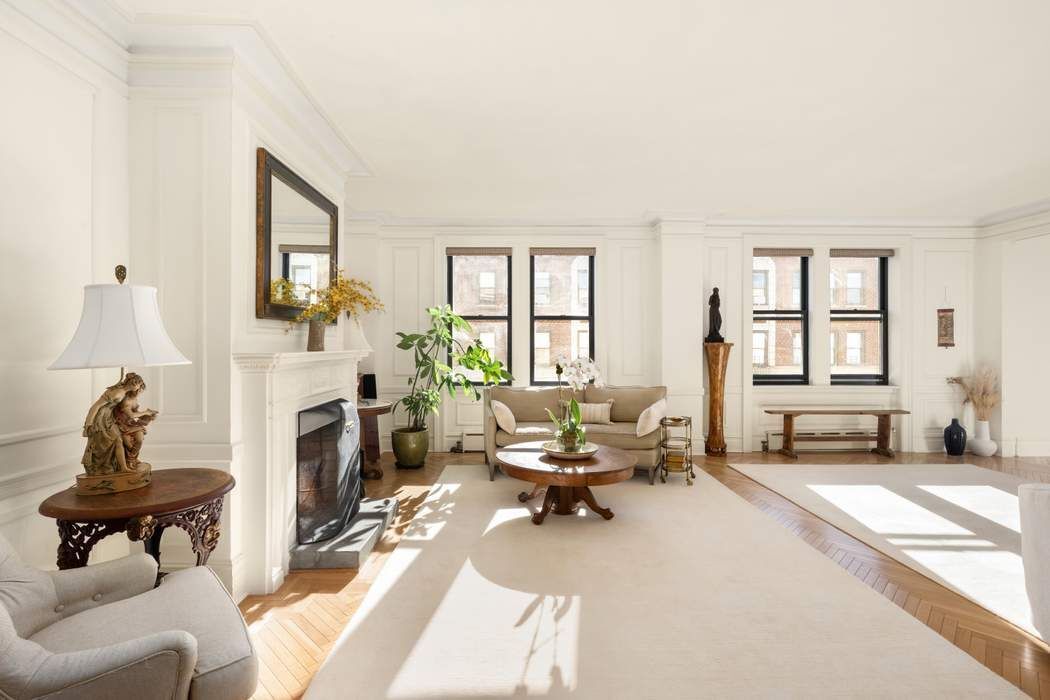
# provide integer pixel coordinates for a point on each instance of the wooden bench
(882, 439)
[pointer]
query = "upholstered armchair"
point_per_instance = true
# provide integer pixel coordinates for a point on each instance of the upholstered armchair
(105, 631)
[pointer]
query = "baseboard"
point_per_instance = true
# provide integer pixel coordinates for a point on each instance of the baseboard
(1033, 448)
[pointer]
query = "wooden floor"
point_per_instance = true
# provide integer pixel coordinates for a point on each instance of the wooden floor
(294, 628)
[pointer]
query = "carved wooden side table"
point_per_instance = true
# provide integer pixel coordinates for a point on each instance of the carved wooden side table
(190, 499)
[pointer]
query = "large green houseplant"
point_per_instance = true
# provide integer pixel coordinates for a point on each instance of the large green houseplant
(434, 378)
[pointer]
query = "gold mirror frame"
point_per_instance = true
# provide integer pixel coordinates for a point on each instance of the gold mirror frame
(268, 165)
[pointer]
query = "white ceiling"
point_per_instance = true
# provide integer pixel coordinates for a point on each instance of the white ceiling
(603, 109)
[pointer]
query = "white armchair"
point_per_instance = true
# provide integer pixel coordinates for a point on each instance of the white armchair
(104, 631)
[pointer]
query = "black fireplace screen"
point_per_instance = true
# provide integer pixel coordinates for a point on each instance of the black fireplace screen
(328, 470)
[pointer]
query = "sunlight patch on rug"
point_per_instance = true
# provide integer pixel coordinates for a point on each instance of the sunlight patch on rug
(958, 524)
(987, 501)
(886, 512)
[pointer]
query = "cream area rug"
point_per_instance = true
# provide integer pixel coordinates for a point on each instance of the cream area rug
(689, 592)
(956, 523)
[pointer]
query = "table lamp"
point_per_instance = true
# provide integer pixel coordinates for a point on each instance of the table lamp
(120, 326)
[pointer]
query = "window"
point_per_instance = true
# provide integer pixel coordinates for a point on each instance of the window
(486, 287)
(780, 317)
(306, 267)
(859, 307)
(760, 287)
(541, 288)
(758, 348)
(541, 348)
(562, 308)
(854, 288)
(479, 291)
(854, 347)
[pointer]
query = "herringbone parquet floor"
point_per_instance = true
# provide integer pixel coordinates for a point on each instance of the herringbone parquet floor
(294, 628)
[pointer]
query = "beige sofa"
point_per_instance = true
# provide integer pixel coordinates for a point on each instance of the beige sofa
(529, 404)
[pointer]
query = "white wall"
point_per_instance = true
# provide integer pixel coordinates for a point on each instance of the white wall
(1026, 378)
(63, 224)
(1014, 329)
(196, 122)
(652, 286)
(406, 264)
(146, 158)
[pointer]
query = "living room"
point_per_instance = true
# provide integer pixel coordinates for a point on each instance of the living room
(466, 350)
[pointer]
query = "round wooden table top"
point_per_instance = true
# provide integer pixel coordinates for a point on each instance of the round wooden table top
(373, 407)
(527, 461)
(170, 491)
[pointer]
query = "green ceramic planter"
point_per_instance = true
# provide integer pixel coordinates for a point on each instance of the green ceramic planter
(410, 447)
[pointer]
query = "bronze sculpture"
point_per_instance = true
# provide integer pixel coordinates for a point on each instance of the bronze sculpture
(715, 315)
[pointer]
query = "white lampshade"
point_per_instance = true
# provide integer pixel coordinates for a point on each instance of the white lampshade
(120, 326)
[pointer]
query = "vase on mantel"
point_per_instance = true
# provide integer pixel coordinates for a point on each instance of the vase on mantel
(315, 335)
(982, 443)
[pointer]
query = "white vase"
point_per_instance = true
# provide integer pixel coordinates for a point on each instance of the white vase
(355, 337)
(982, 443)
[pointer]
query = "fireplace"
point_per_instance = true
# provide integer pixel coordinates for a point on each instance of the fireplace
(328, 470)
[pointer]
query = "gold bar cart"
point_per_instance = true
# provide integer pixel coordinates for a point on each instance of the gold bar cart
(676, 447)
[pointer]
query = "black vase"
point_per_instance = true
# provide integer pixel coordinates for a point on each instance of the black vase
(955, 439)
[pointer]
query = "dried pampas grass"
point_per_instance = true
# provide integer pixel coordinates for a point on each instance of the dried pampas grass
(982, 390)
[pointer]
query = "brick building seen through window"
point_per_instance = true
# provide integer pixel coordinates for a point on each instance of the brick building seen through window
(856, 344)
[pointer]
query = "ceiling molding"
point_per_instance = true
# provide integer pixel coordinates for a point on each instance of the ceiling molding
(254, 49)
(1023, 211)
(1019, 225)
(57, 28)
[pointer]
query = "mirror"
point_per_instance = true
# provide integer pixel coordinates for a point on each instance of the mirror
(296, 239)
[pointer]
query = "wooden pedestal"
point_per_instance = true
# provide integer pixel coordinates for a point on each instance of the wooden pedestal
(717, 361)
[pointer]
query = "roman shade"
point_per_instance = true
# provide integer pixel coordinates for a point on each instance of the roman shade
(783, 252)
(315, 249)
(862, 252)
(476, 251)
(561, 251)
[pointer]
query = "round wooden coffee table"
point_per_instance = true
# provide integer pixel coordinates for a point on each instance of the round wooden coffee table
(567, 481)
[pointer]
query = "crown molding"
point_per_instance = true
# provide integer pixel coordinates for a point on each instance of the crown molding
(1024, 211)
(136, 39)
(60, 31)
(1017, 226)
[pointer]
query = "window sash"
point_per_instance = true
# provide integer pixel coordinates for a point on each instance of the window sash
(879, 315)
(450, 286)
(574, 289)
(800, 314)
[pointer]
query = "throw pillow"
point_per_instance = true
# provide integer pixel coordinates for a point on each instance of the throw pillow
(650, 418)
(594, 412)
(504, 417)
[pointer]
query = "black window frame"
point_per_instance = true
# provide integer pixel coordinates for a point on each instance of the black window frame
(533, 317)
(882, 315)
(800, 314)
(449, 270)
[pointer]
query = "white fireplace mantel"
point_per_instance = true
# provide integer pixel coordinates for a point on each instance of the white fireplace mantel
(274, 387)
(279, 361)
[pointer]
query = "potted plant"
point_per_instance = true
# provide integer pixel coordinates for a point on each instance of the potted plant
(577, 374)
(982, 390)
(434, 378)
(351, 296)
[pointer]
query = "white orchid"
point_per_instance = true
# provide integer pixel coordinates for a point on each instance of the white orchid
(579, 372)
